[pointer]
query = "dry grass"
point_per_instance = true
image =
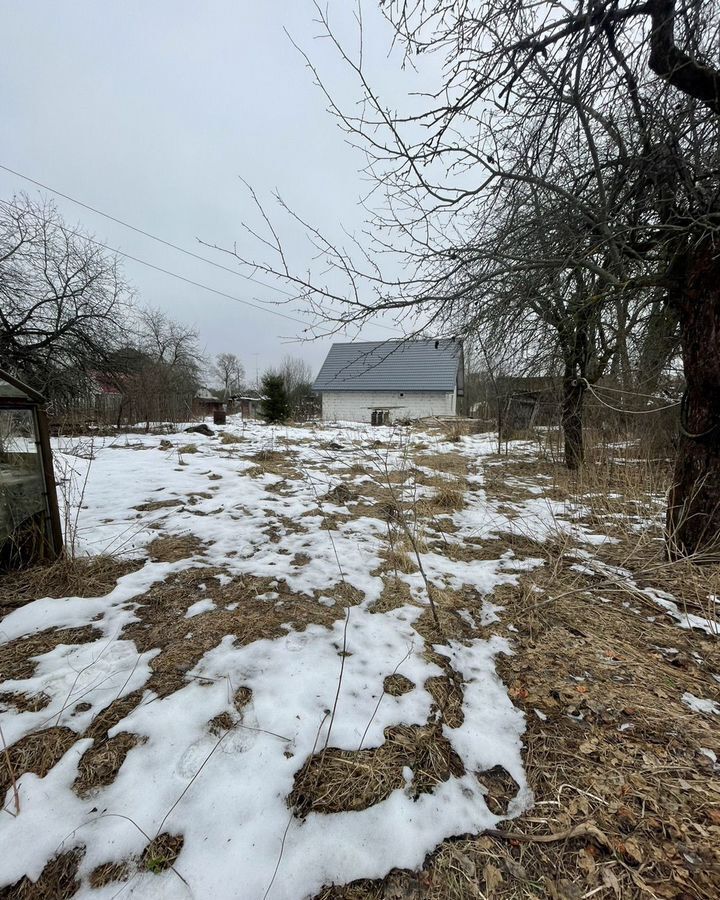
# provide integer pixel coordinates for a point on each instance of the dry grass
(152, 505)
(187, 449)
(612, 753)
(57, 881)
(107, 873)
(451, 463)
(172, 548)
(183, 642)
(67, 577)
(228, 438)
(396, 685)
(342, 780)
(101, 763)
(162, 852)
(18, 657)
(37, 752)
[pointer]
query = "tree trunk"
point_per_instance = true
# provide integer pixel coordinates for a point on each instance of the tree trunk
(693, 515)
(573, 395)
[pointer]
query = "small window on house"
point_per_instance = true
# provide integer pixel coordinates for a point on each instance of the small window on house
(380, 417)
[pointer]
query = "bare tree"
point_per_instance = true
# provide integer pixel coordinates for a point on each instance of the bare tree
(600, 118)
(297, 378)
(159, 373)
(230, 372)
(63, 300)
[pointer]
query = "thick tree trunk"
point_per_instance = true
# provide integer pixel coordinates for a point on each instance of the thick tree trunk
(693, 516)
(573, 395)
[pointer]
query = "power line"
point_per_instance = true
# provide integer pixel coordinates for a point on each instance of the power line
(197, 284)
(144, 233)
(177, 247)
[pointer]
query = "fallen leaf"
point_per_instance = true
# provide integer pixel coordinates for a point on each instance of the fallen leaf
(493, 878)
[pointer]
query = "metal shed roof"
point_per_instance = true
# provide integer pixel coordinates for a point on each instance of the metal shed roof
(411, 365)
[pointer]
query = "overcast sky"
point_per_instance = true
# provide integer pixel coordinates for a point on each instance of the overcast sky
(152, 111)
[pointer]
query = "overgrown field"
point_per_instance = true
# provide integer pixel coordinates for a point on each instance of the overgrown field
(349, 662)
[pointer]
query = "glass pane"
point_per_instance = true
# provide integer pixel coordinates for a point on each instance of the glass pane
(21, 482)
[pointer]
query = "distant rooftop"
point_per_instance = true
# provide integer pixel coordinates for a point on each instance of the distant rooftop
(411, 365)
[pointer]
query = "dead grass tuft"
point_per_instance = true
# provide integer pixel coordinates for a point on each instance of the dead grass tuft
(395, 593)
(58, 880)
(228, 438)
(37, 752)
(162, 852)
(187, 449)
(447, 693)
(23, 702)
(18, 657)
(397, 685)
(100, 764)
(344, 780)
(183, 642)
(152, 505)
(452, 463)
(107, 873)
(172, 548)
(221, 723)
(79, 577)
(242, 696)
(444, 499)
(342, 494)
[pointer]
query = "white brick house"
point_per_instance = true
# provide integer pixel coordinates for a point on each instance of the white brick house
(387, 381)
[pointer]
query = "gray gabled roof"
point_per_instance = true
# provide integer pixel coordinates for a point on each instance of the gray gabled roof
(411, 365)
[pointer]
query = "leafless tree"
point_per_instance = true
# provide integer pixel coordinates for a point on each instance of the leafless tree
(598, 119)
(297, 377)
(63, 300)
(158, 373)
(230, 372)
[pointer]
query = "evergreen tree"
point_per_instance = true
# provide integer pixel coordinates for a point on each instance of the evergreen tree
(275, 406)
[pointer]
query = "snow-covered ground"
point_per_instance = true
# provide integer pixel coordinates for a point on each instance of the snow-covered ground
(311, 687)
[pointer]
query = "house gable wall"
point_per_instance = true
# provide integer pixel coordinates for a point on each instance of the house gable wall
(357, 406)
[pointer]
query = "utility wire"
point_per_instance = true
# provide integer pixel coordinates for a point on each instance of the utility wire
(173, 246)
(144, 233)
(633, 412)
(197, 284)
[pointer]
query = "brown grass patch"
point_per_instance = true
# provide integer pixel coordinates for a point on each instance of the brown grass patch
(452, 463)
(221, 723)
(444, 499)
(17, 657)
(228, 438)
(173, 548)
(396, 560)
(80, 577)
(23, 702)
(395, 593)
(341, 494)
(617, 747)
(187, 449)
(58, 880)
(342, 780)
(100, 764)
(397, 685)
(152, 505)
(241, 698)
(163, 624)
(37, 752)
(162, 852)
(107, 873)
(447, 693)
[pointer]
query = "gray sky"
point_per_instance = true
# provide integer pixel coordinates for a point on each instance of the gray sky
(152, 111)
